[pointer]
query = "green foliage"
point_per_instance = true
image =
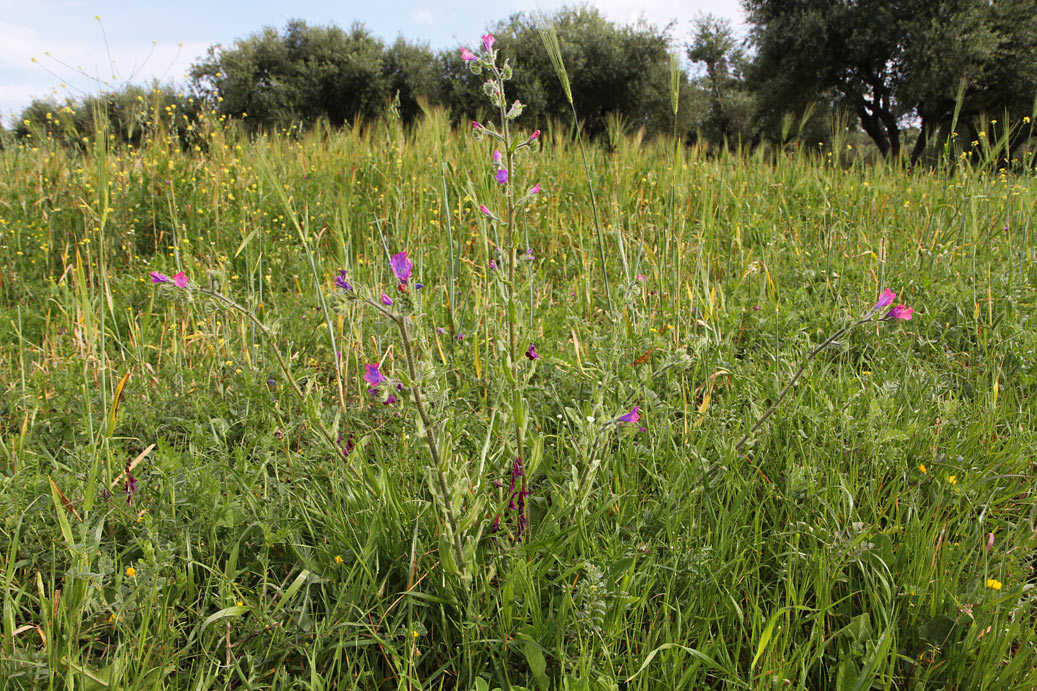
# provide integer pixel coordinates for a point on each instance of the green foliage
(128, 115)
(612, 70)
(845, 548)
(885, 62)
(730, 104)
(306, 74)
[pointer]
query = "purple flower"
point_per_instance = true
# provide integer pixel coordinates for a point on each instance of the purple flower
(496, 156)
(885, 300)
(487, 42)
(502, 176)
(535, 189)
(533, 137)
(493, 265)
(900, 312)
(641, 277)
(390, 399)
(341, 281)
(528, 256)
(180, 280)
(476, 126)
(482, 207)
(632, 416)
(386, 300)
(419, 286)
(156, 277)
(467, 55)
(373, 375)
(531, 353)
(401, 266)
(440, 330)
(460, 336)
(131, 484)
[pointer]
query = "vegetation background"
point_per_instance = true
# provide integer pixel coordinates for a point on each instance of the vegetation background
(879, 532)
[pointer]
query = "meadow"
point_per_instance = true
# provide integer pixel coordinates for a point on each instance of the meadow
(205, 495)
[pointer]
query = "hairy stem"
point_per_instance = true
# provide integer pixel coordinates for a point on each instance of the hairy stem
(268, 337)
(430, 439)
(795, 377)
(513, 346)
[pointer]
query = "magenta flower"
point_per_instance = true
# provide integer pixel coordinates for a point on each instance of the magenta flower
(885, 300)
(496, 156)
(180, 280)
(401, 266)
(386, 300)
(156, 277)
(900, 312)
(467, 55)
(632, 416)
(476, 126)
(532, 352)
(533, 137)
(502, 176)
(641, 277)
(482, 207)
(487, 42)
(535, 189)
(131, 486)
(341, 281)
(373, 375)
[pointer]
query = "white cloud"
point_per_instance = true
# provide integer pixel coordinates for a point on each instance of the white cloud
(69, 66)
(423, 16)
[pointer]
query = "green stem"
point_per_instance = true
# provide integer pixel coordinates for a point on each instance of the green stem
(268, 337)
(513, 346)
(430, 439)
(795, 377)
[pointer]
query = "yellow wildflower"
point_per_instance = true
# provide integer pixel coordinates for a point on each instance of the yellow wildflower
(339, 559)
(994, 584)
(131, 572)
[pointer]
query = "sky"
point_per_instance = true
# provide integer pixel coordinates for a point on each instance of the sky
(62, 48)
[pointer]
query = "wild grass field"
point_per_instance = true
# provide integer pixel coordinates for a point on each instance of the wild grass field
(178, 512)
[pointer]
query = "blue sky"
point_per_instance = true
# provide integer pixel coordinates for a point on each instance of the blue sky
(149, 40)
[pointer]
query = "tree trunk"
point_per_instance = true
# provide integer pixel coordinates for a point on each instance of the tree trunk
(872, 127)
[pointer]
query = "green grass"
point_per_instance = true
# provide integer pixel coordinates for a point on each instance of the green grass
(822, 557)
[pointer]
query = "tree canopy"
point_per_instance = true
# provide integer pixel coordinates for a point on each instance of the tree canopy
(902, 68)
(891, 60)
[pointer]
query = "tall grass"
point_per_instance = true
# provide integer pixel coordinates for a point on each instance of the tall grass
(847, 547)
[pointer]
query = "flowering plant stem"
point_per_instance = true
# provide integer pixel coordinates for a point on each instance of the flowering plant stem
(430, 435)
(268, 337)
(513, 346)
(795, 377)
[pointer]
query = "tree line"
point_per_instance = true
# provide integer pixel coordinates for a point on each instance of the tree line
(918, 72)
